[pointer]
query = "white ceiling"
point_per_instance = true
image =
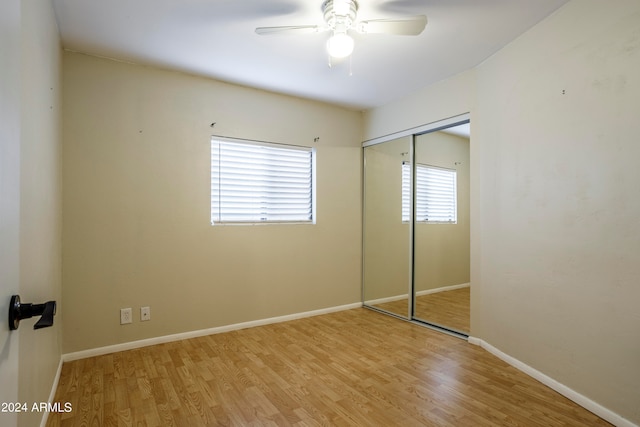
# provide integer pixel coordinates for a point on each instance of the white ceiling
(216, 38)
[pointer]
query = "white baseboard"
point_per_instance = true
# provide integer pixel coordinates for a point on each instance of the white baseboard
(386, 299)
(52, 394)
(199, 333)
(443, 289)
(419, 293)
(567, 392)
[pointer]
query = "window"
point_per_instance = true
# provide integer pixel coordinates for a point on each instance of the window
(436, 194)
(258, 182)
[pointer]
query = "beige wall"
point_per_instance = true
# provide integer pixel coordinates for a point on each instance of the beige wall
(441, 251)
(137, 201)
(30, 212)
(559, 209)
(448, 98)
(555, 253)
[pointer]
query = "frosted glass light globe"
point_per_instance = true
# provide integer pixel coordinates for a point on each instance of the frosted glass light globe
(340, 45)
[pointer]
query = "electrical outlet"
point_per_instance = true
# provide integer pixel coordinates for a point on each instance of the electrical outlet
(125, 316)
(145, 313)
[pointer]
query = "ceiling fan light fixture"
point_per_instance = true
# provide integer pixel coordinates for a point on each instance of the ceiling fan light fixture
(340, 17)
(340, 45)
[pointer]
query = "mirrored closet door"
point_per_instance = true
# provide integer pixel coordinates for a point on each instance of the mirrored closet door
(386, 237)
(416, 226)
(441, 228)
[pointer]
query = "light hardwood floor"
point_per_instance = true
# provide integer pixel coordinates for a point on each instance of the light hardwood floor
(448, 308)
(351, 368)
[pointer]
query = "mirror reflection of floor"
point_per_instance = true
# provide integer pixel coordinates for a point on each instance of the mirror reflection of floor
(448, 308)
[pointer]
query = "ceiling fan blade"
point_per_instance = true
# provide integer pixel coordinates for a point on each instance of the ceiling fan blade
(411, 26)
(294, 29)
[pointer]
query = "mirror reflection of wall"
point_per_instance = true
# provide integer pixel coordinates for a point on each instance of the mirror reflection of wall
(386, 238)
(442, 227)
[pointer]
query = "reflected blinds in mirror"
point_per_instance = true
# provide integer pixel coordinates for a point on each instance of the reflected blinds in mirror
(436, 193)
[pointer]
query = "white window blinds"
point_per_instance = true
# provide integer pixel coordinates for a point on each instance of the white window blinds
(406, 190)
(252, 182)
(436, 194)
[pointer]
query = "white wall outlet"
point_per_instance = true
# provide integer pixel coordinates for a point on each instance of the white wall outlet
(145, 313)
(125, 316)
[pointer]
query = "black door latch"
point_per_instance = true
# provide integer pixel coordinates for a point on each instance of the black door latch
(19, 311)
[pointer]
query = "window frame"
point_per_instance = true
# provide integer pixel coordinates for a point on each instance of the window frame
(215, 216)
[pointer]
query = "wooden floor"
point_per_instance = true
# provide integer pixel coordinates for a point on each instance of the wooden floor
(352, 368)
(449, 308)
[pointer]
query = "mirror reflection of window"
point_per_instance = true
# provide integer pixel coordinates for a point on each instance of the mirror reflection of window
(436, 194)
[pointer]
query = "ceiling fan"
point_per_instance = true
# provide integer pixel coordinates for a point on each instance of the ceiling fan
(340, 18)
